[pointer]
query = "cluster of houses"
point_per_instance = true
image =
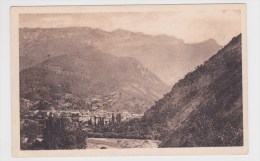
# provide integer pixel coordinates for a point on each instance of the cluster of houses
(68, 107)
(69, 101)
(81, 116)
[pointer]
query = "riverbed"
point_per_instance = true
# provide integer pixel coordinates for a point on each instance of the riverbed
(108, 143)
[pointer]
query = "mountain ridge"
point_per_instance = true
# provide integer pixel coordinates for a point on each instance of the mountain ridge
(93, 74)
(166, 56)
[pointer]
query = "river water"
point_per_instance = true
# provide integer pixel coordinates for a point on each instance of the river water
(108, 143)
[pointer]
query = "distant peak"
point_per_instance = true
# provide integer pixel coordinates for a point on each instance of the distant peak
(119, 30)
(211, 41)
(168, 37)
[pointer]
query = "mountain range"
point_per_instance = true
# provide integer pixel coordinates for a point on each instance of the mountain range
(168, 57)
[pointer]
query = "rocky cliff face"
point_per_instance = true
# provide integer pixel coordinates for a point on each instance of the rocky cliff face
(205, 107)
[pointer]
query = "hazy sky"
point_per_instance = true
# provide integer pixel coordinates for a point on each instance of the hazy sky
(187, 25)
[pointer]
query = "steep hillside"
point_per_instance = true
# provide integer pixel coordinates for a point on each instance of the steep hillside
(204, 108)
(109, 82)
(166, 56)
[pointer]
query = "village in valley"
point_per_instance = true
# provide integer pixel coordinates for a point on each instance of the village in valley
(90, 115)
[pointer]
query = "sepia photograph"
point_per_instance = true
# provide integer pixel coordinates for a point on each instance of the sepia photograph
(129, 80)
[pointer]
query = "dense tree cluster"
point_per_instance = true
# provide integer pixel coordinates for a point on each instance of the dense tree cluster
(60, 133)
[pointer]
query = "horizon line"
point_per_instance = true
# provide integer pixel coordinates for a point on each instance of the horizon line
(154, 35)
